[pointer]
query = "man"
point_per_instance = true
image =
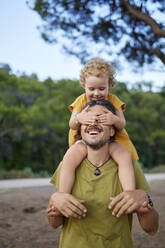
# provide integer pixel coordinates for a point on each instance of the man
(98, 213)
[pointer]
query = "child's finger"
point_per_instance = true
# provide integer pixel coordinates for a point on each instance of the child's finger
(109, 206)
(105, 111)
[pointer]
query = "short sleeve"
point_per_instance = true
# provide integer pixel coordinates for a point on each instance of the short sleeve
(55, 178)
(78, 104)
(141, 182)
(117, 102)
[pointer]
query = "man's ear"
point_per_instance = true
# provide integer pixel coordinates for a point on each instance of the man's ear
(112, 131)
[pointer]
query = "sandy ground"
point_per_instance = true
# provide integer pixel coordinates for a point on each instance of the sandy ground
(23, 222)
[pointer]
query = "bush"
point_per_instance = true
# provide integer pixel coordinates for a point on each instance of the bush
(158, 169)
(25, 173)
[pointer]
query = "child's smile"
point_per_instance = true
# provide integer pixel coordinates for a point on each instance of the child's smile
(96, 88)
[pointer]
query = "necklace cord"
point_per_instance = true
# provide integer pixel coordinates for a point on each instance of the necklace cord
(97, 167)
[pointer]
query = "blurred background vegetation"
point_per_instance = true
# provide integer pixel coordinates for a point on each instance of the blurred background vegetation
(34, 119)
(34, 114)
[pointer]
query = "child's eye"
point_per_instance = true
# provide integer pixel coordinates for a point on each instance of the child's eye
(91, 89)
(102, 88)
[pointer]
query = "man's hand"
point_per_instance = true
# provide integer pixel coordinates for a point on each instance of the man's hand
(52, 211)
(127, 202)
(145, 208)
(55, 218)
(68, 205)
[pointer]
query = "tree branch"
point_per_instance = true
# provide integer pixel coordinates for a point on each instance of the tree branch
(155, 27)
(159, 54)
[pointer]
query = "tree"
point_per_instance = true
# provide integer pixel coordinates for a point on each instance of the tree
(34, 119)
(134, 29)
(5, 67)
(144, 122)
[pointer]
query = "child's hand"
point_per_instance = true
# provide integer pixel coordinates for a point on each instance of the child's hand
(86, 117)
(107, 118)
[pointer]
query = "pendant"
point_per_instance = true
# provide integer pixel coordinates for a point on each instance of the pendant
(97, 172)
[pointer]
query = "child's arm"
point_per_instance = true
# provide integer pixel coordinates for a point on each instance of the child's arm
(74, 123)
(120, 122)
(117, 120)
(84, 117)
(73, 157)
(125, 167)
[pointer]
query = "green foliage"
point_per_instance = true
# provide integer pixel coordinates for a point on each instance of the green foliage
(34, 120)
(145, 123)
(135, 27)
(158, 169)
(25, 173)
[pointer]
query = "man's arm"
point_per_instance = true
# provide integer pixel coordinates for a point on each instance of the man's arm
(149, 221)
(130, 201)
(55, 220)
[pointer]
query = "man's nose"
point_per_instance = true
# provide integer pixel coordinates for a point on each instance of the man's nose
(95, 123)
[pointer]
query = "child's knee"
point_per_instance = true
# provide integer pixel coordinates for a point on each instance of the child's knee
(80, 144)
(119, 153)
(114, 146)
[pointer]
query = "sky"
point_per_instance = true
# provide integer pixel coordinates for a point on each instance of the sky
(25, 51)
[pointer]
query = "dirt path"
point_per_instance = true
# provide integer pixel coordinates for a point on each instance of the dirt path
(23, 223)
(35, 182)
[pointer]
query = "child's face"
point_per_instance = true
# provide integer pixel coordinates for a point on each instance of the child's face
(96, 88)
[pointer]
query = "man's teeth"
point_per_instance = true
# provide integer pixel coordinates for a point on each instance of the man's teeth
(93, 132)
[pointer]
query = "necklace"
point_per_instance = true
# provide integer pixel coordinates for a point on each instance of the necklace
(97, 171)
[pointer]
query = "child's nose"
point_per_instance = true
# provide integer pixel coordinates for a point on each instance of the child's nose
(96, 92)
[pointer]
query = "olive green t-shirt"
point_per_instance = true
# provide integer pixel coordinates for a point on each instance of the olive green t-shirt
(99, 229)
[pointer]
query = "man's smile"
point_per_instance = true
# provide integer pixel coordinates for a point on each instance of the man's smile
(93, 130)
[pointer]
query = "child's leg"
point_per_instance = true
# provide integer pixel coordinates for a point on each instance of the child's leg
(72, 158)
(126, 171)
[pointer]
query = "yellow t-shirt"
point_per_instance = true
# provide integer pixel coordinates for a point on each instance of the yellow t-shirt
(99, 229)
(121, 136)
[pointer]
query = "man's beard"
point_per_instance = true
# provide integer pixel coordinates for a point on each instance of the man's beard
(97, 145)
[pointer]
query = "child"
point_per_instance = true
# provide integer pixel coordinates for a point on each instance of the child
(97, 77)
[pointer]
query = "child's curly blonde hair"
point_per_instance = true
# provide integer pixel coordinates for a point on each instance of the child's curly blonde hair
(99, 68)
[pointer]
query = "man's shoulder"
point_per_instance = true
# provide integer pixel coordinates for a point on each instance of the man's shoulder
(55, 178)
